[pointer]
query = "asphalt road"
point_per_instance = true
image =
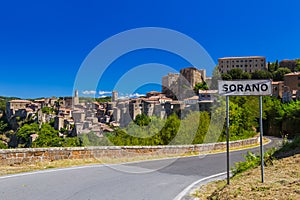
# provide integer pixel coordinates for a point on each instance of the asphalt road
(160, 179)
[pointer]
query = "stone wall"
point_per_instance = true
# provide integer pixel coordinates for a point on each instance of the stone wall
(34, 155)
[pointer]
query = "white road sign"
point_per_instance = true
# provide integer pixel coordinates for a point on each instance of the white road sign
(245, 88)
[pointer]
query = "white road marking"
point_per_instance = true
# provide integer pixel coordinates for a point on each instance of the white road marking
(187, 189)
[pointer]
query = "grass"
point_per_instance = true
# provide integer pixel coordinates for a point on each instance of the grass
(282, 181)
(20, 168)
(282, 178)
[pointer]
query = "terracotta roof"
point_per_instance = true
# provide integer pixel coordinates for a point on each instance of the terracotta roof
(208, 91)
(243, 57)
(29, 110)
(192, 98)
(292, 74)
(277, 82)
(19, 101)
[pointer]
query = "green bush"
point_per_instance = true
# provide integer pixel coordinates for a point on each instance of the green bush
(290, 146)
(2, 145)
(252, 161)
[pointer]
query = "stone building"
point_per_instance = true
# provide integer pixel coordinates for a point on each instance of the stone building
(59, 122)
(291, 64)
(114, 97)
(247, 64)
(277, 88)
(169, 85)
(180, 86)
(76, 98)
(14, 105)
(292, 81)
(192, 75)
(135, 108)
(206, 99)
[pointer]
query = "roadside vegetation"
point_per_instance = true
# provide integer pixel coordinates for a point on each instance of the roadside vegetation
(282, 177)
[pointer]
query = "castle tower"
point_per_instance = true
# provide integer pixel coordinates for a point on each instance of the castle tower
(114, 96)
(76, 98)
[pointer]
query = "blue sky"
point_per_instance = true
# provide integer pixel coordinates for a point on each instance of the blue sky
(43, 43)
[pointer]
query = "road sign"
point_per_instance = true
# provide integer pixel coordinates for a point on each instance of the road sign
(245, 88)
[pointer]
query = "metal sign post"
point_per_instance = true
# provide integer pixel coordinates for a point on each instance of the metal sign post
(245, 88)
(227, 138)
(261, 139)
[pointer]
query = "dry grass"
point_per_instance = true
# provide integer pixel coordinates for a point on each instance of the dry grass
(282, 181)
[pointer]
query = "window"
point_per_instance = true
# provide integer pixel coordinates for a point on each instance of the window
(246, 65)
(250, 60)
(246, 60)
(237, 65)
(298, 77)
(227, 66)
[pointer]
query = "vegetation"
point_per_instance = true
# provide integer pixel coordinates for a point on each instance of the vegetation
(193, 128)
(200, 86)
(47, 137)
(289, 148)
(281, 118)
(91, 139)
(48, 110)
(281, 177)
(142, 120)
(274, 72)
(252, 160)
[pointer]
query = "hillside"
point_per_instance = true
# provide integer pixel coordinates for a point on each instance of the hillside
(282, 180)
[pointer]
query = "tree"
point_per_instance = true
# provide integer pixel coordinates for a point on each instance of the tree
(246, 75)
(235, 73)
(215, 77)
(297, 69)
(142, 120)
(3, 126)
(226, 77)
(279, 74)
(276, 65)
(200, 86)
(47, 110)
(262, 74)
(169, 131)
(23, 134)
(243, 116)
(48, 137)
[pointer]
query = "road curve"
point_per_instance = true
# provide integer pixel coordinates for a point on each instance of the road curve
(155, 180)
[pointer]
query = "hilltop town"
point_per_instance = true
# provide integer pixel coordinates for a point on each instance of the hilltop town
(189, 90)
